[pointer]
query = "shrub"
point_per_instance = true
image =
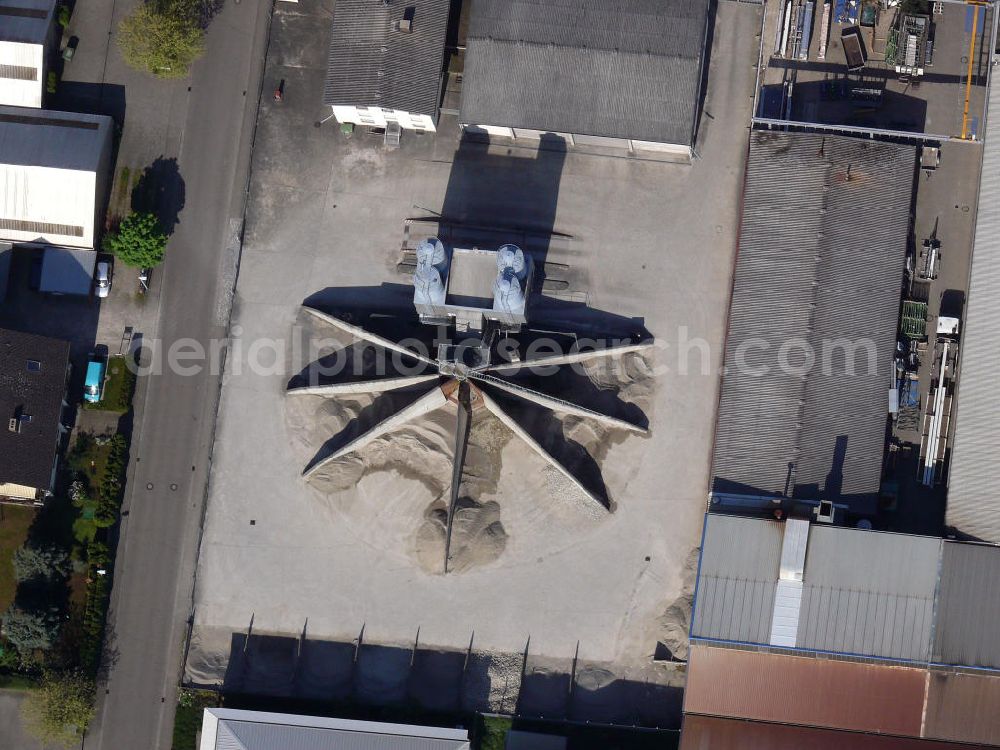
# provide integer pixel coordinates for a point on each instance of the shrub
(63, 16)
(51, 82)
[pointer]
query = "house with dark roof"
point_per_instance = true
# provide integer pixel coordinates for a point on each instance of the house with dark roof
(33, 374)
(386, 62)
(813, 319)
(623, 74)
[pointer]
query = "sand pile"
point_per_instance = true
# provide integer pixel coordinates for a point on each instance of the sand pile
(477, 538)
(675, 623)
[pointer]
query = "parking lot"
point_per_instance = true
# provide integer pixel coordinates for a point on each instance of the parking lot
(326, 224)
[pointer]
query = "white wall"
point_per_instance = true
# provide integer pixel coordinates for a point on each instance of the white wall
(16, 91)
(376, 117)
(580, 140)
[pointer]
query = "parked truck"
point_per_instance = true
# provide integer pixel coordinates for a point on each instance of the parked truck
(854, 48)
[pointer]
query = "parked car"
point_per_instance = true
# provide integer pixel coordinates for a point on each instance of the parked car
(93, 384)
(102, 279)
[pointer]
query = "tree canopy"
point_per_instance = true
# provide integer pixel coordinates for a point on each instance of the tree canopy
(61, 708)
(139, 241)
(45, 561)
(160, 39)
(30, 629)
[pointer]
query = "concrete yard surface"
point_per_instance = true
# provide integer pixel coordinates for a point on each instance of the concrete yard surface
(652, 246)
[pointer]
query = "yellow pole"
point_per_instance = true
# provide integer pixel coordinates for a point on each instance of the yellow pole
(968, 80)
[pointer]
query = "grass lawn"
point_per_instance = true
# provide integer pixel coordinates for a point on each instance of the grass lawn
(89, 458)
(14, 524)
(187, 720)
(118, 388)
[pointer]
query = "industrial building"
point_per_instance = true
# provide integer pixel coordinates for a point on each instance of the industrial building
(230, 729)
(27, 38)
(813, 319)
(386, 61)
(845, 629)
(54, 170)
(973, 508)
(627, 74)
(33, 376)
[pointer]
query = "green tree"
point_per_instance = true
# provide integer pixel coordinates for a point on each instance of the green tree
(163, 40)
(139, 241)
(61, 708)
(40, 561)
(30, 629)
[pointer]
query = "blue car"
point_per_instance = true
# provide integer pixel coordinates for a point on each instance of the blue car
(93, 385)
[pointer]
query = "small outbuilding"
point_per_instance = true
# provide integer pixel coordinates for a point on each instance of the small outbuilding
(54, 169)
(27, 38)
(386, 63)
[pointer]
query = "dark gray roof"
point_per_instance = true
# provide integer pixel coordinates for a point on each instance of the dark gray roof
(821, 253)
(67, 270)
(27, 455)
(969, 606)
(629, 69)
(372, 65)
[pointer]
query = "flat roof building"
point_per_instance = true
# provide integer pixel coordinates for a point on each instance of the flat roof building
(229, 729)
(813, 319)
(53, 176)
(33, 375)
(27, 37)
(386, 62)
(611, 74)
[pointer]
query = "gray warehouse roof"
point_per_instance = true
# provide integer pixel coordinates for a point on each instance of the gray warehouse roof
(973, 502)
(822, 248)
(372, 64)
(32, 388)
(630, 69)
(227, 729)
(863, 592)
(25, 21)
(969, 606)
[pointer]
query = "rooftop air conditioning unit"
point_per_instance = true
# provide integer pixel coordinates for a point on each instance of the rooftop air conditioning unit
(14, 425)
(824, 512)
(405, 25)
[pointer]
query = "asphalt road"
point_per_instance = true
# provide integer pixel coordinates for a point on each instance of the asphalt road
(176, 413)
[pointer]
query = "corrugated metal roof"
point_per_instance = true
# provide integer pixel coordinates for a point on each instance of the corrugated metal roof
(869, 592)
(963, 707)
(968, 624)
(712, 733)
(804, 690)
(629, 69)
(973, 502)
(740, 562)
(821, 254)
(372, 65)
(864, 592)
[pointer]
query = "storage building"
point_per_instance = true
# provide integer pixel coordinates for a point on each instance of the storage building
(625, 74)
(27, 38)
(813, 319)
(386, 62)
(54, 169)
